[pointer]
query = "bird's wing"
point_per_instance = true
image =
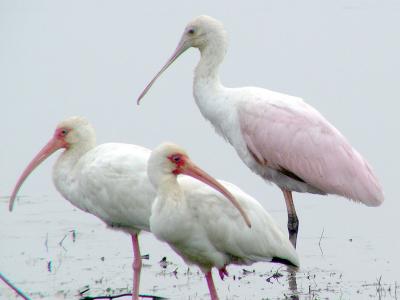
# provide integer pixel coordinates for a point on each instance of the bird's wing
(113, 181)
(226, 230)
(291, 136)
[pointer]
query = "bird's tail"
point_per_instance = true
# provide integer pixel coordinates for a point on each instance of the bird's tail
(291, 263)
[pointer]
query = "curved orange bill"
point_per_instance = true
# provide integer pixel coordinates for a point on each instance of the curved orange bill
(52, 146)
(182, 47)
(194, 171)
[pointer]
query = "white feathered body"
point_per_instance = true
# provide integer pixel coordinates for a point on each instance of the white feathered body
(109, 181)
(202, 226)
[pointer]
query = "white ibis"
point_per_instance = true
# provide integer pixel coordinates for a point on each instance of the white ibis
(279, 137)
(109, 181)
(202, 226)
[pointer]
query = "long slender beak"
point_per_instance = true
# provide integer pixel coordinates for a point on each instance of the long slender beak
(52, 146)
(182, 47)
(192, 170)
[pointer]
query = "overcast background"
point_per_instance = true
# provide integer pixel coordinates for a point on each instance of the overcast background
(93, 58)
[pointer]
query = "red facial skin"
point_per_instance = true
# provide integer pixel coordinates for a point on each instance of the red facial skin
(179, 160)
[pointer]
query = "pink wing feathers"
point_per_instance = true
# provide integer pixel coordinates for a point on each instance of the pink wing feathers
(295, 137)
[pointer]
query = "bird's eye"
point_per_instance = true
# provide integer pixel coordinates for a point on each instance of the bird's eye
(176, 158)
(191, 31)
(64, 132)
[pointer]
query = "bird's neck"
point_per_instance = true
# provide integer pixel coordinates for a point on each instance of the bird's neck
(206, 84)
(210, 95)
(170, 213)
(206, 72)
(170, 189)
(64, 170)
(169, 196)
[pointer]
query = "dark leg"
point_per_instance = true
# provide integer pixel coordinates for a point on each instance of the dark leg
(137, 266)
(211, 286)
(293, 221)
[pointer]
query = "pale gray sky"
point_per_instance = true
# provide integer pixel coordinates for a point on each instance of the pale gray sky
(93, 58)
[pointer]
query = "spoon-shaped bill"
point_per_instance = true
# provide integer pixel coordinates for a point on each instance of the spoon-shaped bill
(182, 47)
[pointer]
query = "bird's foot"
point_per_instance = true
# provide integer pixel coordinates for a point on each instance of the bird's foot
(223, 272)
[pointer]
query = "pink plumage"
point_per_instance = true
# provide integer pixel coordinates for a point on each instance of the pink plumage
(298, 138)
(279, 137)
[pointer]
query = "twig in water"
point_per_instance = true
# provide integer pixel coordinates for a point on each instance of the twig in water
(73, 233)
(275, 276)
(85, 289)
(61, 242)
(379, 287)
(122, 295)
(14, 288)
(46, 243)
(49, 266)
(319, 243)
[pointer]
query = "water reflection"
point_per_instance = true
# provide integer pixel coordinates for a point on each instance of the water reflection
(323, 277)
(292, 280)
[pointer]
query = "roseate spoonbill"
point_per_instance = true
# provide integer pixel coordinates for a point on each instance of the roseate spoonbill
(109, 181)
(202, 226)
(279, 137)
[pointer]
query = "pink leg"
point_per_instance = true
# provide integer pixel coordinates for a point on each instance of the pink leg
(223, 272)
(211, 286)
(137, 266)
(293, 221)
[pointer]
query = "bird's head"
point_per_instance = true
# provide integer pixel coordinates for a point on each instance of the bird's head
(169, 160)
(202, 32)
(72, 133)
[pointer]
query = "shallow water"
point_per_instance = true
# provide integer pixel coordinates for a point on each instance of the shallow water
(341, 56)
(51, 250)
